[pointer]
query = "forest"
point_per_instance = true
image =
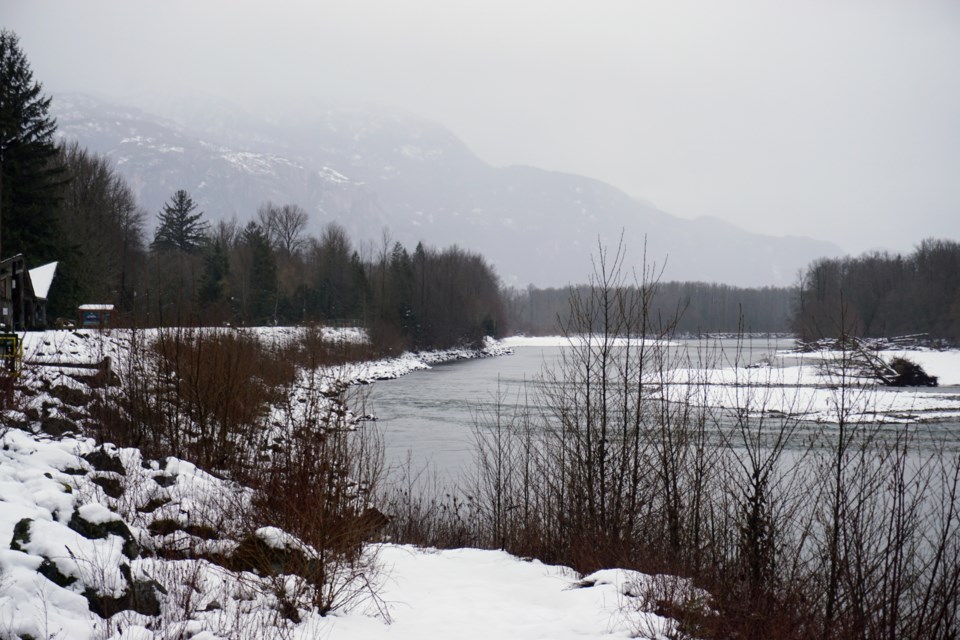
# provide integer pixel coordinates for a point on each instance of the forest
(265, 271)
(691, 308)
(60, 202)
(880, 294)
(876, 294)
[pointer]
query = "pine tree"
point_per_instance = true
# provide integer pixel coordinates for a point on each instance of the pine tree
(30, 177)
(216, 274)
(180, 228)
(262, 304)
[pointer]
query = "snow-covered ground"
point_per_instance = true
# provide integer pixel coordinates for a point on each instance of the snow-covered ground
(87, 347)
(811, 386)
(472, 593)
(944, 364)
(82, 527)
(803, 385)
(568, 341)
(467, 593)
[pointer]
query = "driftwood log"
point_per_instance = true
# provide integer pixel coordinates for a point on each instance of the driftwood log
(898, 372)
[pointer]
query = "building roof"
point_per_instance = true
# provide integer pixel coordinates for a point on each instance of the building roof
(41, 277)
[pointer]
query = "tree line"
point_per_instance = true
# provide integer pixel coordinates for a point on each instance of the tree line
(270, 271)
(879, 294)
(265, 271)
(698, 307)
(60, 202)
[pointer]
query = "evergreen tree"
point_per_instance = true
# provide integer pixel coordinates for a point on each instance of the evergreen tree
(29, 175)
(216, 274)
(262, 302)
(101, 227)
(180, 228)
(402, 293)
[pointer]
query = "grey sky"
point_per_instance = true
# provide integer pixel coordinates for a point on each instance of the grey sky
(837, 120)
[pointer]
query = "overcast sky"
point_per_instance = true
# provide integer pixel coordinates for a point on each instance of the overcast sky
(838, 119)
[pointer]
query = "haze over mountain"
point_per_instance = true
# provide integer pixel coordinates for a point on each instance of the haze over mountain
(371, 169)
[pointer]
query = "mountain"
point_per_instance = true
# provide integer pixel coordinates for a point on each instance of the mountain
(371, 169)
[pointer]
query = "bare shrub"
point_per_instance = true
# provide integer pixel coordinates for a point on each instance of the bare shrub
(799, 530)
(315, 483)
(204, 395)
(274, 418)
(423, 513)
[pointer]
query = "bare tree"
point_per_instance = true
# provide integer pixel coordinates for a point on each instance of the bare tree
(284, 225)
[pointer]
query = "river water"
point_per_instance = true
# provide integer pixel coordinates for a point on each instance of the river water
(428, 417)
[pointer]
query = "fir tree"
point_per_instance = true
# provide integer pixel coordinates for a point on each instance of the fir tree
(180, 228)
(262, 305)
(30, 177)
(216, 274)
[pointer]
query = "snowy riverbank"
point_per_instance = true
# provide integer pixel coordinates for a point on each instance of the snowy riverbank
(757, 376)
(92, 539)
(52, 567)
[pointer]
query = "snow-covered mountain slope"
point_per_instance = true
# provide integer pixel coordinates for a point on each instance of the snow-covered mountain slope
(370, 169)
(158, 156)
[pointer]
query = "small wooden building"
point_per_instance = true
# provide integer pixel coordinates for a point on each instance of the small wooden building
(23, 294)
(95, 316)
(40, 280)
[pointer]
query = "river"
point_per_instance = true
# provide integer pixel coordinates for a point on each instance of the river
(429, 416)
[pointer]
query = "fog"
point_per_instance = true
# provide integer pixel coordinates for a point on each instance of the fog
(840, 121)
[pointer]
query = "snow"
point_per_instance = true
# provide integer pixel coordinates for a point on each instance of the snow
(333, 176)
(810, 390)
(416, 152)
(390, 368)
(41, 277)
(574, 341)
(943, 364)
(801, 385)
(276, 538)
(473, 594)
(35, 487)
(423, 594)
(256, 163)
(96, 513)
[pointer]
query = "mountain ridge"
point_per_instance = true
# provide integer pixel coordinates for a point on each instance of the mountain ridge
(374, 170)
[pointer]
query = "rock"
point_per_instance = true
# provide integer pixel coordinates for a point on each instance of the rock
(21, 534)
(70, 396)
(111, 486)
(141, 596)
(74, 471)
(57, 427)
(93, 531)
(165, 481)
(153, 505)
(101, 460)
(256, 555)
(167, 526)
(49, 570)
